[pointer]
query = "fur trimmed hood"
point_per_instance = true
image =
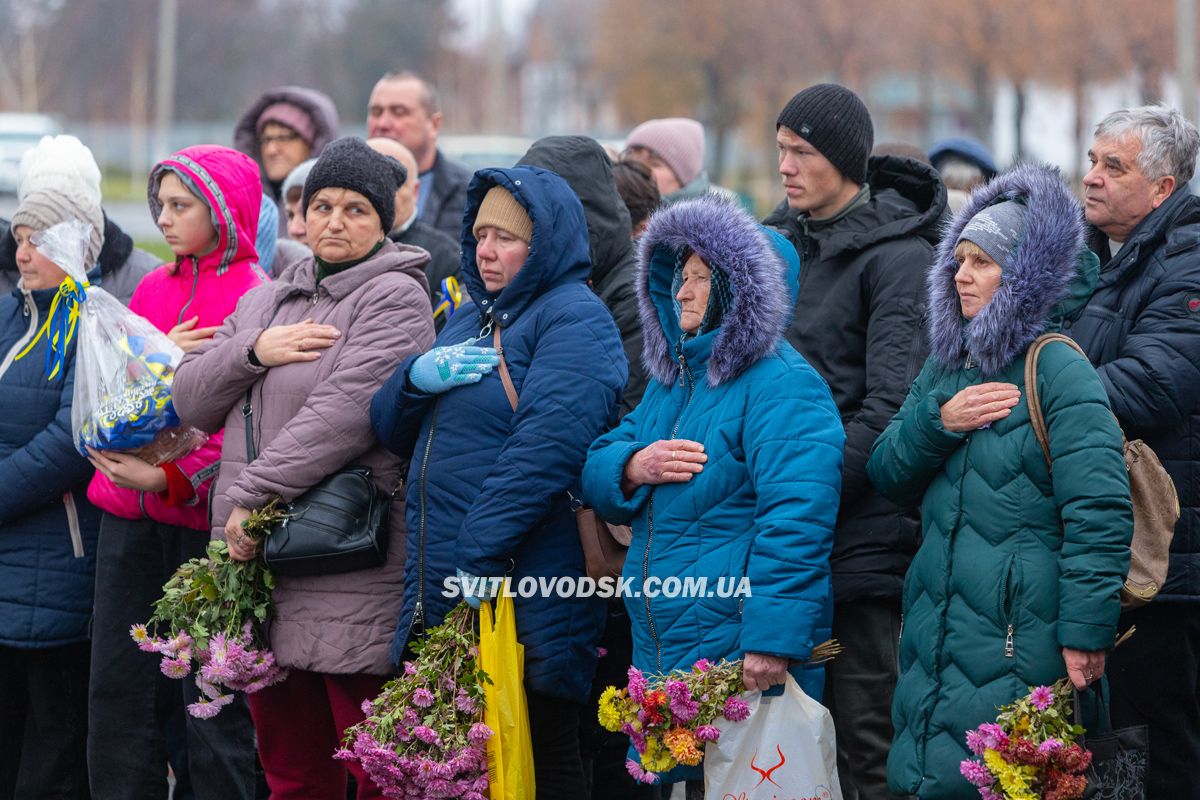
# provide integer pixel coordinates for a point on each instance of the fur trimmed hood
(763, 271)
(1050, 273)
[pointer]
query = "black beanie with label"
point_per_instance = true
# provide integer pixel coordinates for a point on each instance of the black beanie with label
(836, 122)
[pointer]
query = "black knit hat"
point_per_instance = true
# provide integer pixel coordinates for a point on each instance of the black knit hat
(833, 120)
(348, 163)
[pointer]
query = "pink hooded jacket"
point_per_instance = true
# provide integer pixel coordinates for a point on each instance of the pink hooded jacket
(209, 287)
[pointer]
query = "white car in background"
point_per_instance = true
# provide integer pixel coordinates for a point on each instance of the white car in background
(480, 151)
(18, 133)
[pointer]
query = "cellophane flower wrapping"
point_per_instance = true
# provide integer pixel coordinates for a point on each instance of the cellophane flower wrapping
(124, 366)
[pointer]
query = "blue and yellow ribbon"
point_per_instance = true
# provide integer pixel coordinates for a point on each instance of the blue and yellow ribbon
(60, 325)
(451, 298)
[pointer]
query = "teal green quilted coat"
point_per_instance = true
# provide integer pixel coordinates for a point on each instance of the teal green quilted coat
(1013, 566)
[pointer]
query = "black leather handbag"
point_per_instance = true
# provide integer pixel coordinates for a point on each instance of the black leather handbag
(339, 525)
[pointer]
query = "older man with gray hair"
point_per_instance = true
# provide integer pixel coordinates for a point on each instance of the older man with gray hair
(1141, 329)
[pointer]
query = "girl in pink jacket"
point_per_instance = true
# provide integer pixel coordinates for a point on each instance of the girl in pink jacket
(206, 201)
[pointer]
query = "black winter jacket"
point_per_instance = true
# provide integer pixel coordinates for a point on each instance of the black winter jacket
(1141, 329)
(447, 201)
(584, 165)
(445, 257)
(860, 322)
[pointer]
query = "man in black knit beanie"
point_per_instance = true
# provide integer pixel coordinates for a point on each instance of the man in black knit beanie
(864, 228)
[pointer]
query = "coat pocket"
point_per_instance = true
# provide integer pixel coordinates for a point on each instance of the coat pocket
(1007, 603)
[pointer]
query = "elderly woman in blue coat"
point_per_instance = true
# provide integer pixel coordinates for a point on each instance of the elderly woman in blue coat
(488, 484)
(730, 467)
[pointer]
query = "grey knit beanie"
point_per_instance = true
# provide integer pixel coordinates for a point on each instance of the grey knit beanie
(996, 230)
(42, 209)
(836, 122)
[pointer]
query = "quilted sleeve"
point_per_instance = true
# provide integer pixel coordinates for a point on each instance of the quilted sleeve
(561, 411)
(1091, 488)
(793, 438)
(48, 465)
(606, 460)
(1154, 381)
(913, 447)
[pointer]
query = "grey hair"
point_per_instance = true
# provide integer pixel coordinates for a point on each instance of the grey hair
(1169, 141)
(430, 101)
(960, 174)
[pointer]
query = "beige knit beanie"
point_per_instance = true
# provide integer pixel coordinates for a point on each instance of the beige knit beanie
(500, 209)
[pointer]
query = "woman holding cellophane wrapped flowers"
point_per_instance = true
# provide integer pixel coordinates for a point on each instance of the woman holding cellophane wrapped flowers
(206, 201)
(47, 527)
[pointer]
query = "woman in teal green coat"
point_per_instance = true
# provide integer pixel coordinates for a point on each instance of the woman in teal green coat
(1018, 576)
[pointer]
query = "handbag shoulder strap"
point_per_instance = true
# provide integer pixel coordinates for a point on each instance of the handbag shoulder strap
(1036, 418)
(509, 389)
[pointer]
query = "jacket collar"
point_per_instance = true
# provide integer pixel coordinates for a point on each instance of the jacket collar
(302, 277)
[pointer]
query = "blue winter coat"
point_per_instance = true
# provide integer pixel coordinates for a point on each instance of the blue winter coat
(765, 504)
(47, 527)
(487, 487)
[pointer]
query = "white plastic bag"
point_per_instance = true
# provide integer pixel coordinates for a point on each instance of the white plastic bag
(786, 749)
(124, 366)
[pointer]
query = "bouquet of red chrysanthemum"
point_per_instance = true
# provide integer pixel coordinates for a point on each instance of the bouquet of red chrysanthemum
(214, 611)
(424, 735)
(1029, 752)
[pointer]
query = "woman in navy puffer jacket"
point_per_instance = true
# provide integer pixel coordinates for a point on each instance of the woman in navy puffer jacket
(47, 527)
(487, 487)
(730, 467)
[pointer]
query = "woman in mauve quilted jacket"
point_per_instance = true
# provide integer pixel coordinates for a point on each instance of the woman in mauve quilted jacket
(312, 348)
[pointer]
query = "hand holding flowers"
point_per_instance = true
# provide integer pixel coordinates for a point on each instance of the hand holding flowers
(214, 610)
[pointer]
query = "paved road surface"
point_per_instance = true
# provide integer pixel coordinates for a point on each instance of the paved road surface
(133, 217)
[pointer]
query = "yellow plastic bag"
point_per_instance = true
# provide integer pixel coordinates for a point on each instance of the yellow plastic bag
(509, 750)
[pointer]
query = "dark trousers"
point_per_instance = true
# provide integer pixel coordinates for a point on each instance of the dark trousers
(134, 709)
(858, 693)
(554, 734)
(300, 724)
(43, 722)
(604, 752)
(1155, 680)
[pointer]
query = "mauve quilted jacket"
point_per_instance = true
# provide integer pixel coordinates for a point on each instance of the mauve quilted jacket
(311, 419)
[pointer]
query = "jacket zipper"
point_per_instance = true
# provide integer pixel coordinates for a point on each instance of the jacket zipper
(685, 375)
(1007, 606)
(418, 620)
(73, 524)
(195, 283)
(30, 310)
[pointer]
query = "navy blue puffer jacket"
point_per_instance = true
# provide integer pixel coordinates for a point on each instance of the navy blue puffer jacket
(1142, 331)
(487, 491)
(47, 527)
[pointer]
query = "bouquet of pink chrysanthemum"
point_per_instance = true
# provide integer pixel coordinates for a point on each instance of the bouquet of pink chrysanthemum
(424, 734)
(669, 718)
(214, 610)
(1030, 750)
